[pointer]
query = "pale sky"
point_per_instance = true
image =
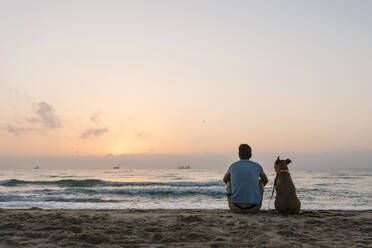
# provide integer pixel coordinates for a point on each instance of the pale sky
(184, 77)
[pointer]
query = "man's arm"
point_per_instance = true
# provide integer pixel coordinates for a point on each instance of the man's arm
(226, 177)
(263, 178)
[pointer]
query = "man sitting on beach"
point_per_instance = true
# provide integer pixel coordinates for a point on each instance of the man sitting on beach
(245, 180)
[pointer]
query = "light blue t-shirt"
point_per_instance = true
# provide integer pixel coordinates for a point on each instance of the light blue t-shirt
(244, 182)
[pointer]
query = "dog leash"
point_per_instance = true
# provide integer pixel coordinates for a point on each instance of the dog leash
(272, 193)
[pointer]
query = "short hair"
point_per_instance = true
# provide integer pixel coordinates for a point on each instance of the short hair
(245, 151)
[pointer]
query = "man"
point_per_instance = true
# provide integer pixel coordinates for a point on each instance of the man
(245, 180)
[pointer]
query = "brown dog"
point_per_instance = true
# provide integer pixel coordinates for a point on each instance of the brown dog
(286, 201)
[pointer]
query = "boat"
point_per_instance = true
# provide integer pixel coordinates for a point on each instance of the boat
(184, 167)
(116, 167)
(36, 167)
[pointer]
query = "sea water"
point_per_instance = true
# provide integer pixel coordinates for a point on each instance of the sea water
(171, 189)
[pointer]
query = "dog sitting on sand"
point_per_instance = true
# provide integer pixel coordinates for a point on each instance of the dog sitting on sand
(286, 201)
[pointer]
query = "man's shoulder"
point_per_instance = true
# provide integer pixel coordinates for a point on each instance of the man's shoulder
(235, 163)
(255, 163)
(250, 163)
(245, 162)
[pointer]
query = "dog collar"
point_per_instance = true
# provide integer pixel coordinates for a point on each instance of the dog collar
(281, 171)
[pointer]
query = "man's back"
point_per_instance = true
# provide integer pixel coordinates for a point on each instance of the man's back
(245, 182)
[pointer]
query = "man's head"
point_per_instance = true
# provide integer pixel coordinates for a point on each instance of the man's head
(245, 151)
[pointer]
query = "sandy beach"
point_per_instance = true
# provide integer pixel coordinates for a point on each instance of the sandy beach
(183, 228)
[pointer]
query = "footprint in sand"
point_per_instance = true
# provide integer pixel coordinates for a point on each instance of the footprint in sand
(152, 229)
(157, 237)
(190, 218)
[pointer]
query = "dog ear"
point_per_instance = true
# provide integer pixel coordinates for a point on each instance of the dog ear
(278, 158)
(288, 161)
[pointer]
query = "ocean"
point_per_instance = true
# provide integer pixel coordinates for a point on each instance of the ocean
(171, 189)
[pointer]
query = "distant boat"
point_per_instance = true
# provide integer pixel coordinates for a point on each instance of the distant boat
(184, 167)
(36, 167)
(116, 167)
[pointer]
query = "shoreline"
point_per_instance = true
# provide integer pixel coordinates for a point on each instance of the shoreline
(183, 227)
(263, 209)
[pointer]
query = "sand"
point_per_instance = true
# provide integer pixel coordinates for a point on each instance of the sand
(183, 228)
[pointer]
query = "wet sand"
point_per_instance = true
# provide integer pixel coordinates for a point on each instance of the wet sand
(183, 228)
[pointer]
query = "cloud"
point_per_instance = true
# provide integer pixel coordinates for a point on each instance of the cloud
(45, 115)
(144, 134)
(93, 132)
(95, 117)
(44, 118)
(18, 130)
(33, 120)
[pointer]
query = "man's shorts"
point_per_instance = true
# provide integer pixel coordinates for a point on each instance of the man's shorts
(239, 209)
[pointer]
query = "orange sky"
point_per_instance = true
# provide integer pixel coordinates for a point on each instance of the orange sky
(185, 77)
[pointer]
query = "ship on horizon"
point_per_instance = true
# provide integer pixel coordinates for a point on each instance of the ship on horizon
(184, 167)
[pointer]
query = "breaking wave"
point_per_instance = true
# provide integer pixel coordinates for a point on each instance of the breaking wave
(101, 183)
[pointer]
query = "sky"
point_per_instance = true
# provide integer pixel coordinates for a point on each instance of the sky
(91, 78)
